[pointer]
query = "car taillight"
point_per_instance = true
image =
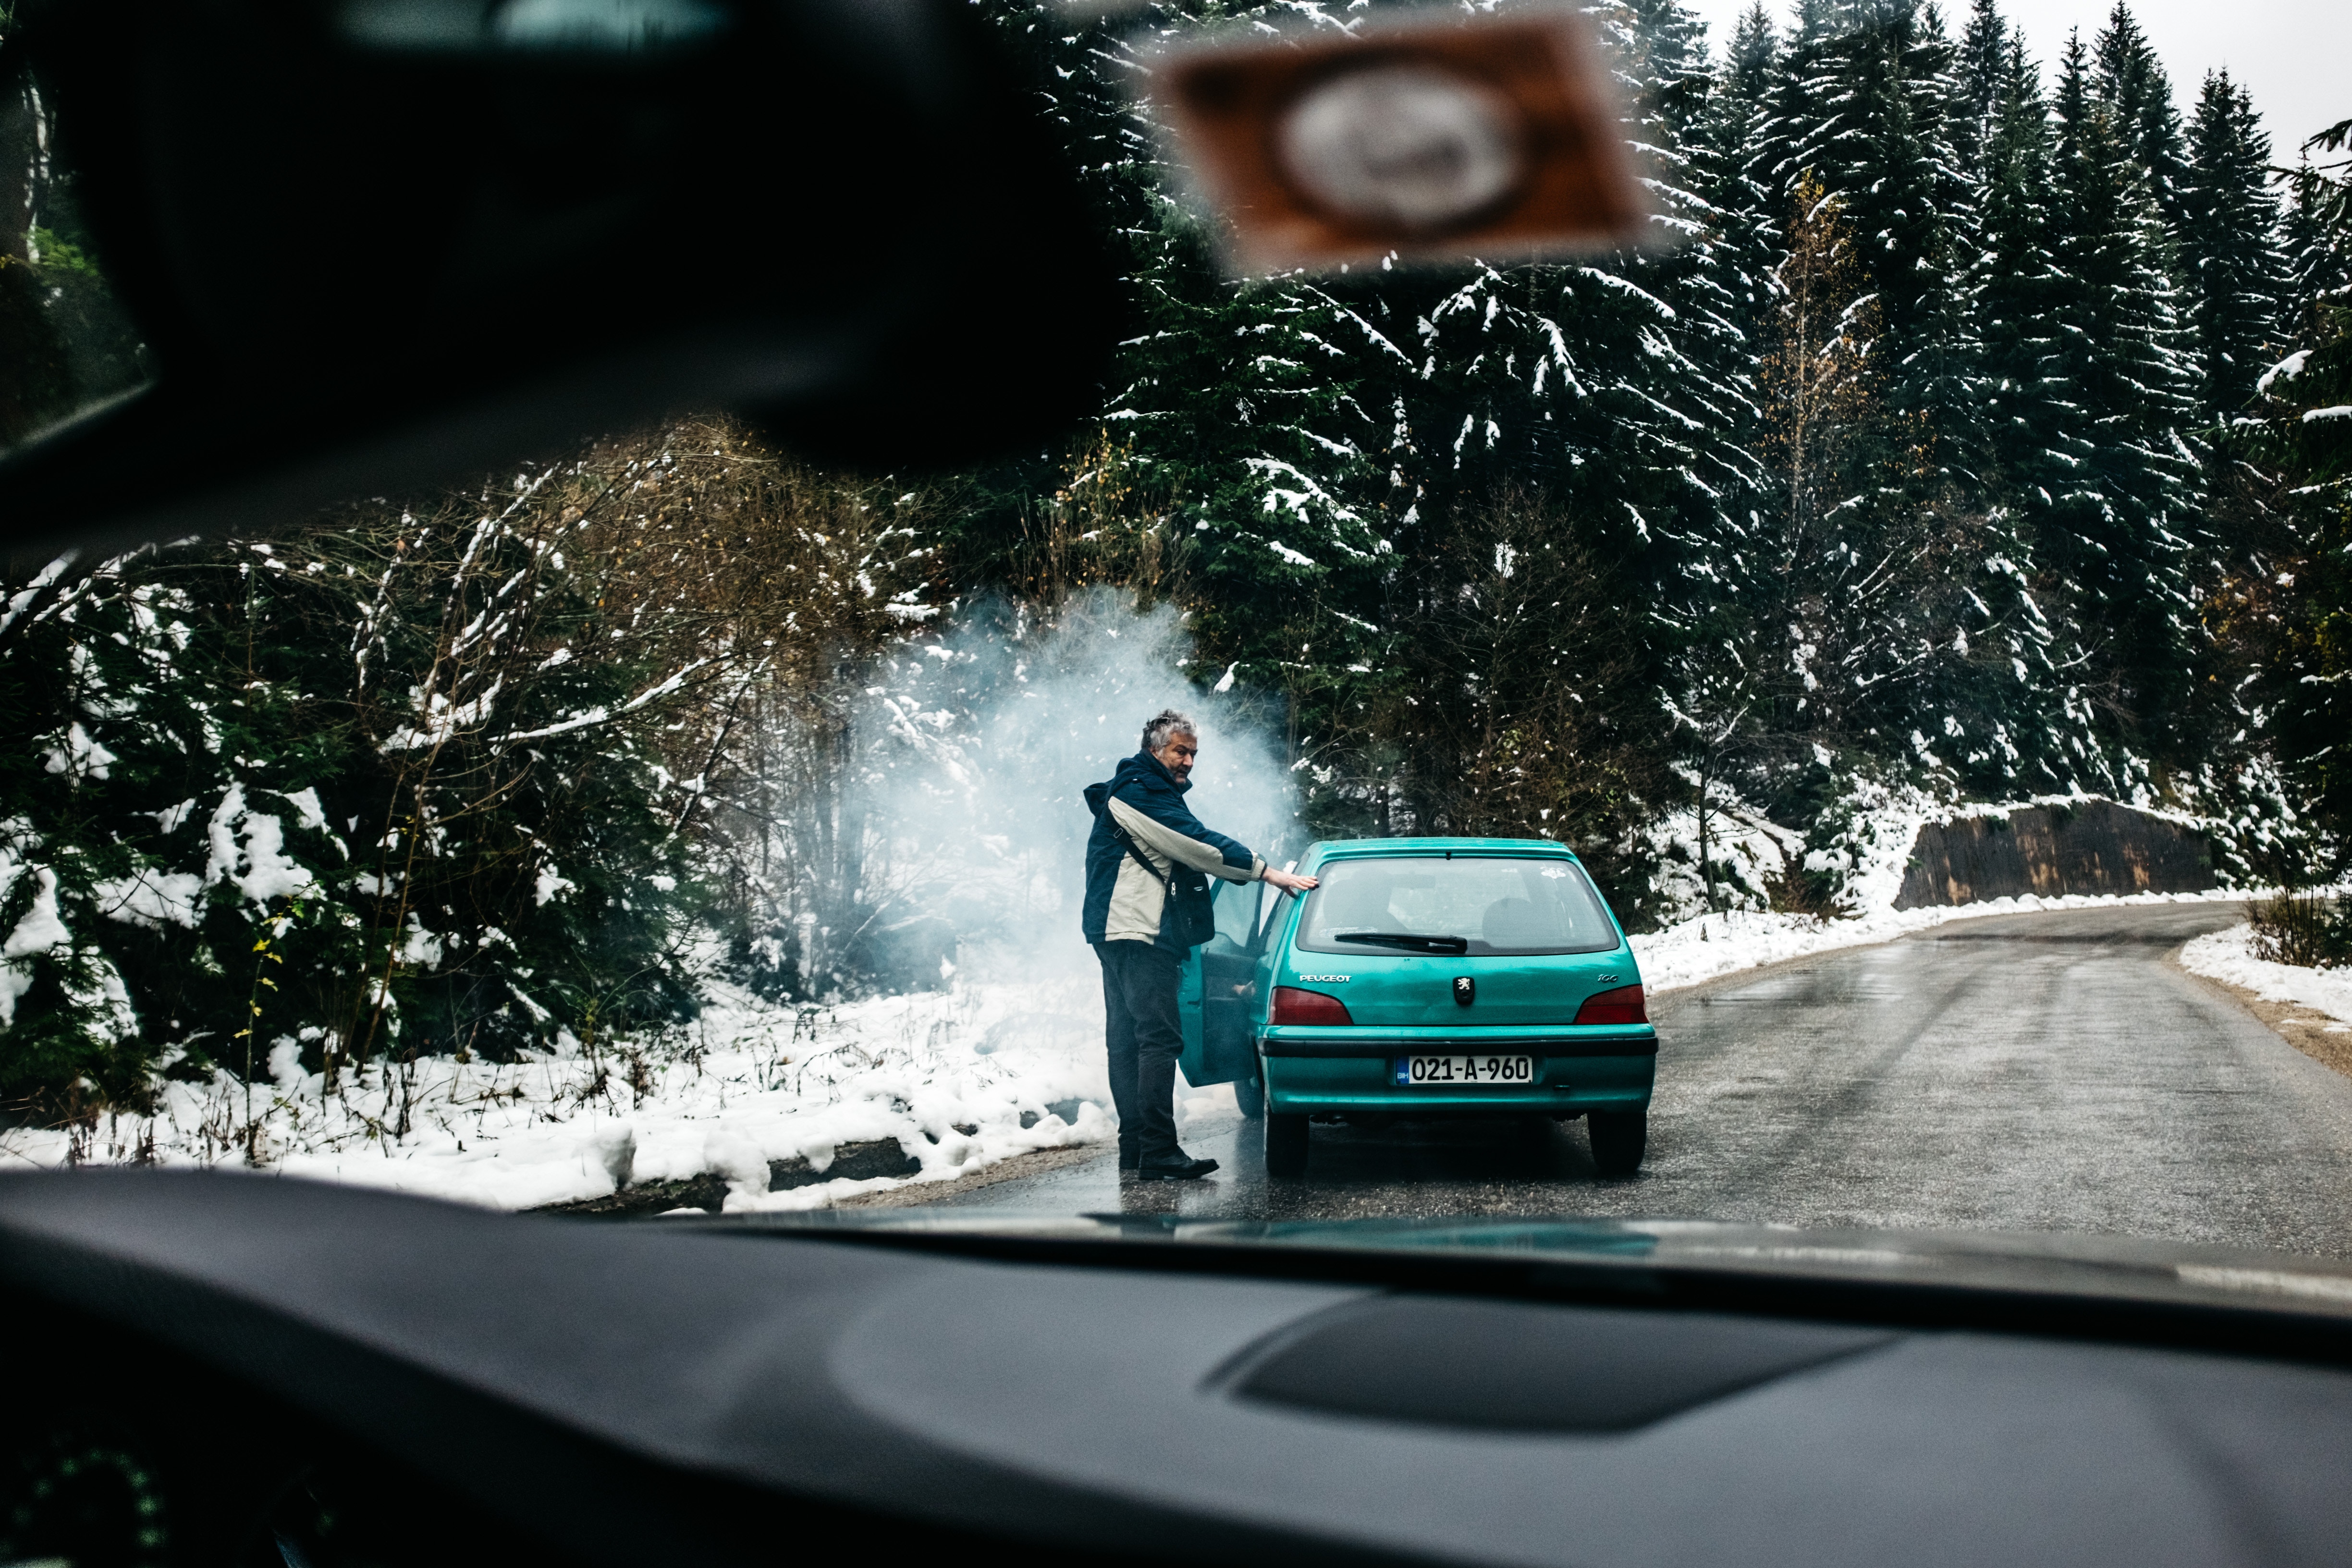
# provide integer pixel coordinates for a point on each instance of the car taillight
(1624, 1005)
(1292, 1006)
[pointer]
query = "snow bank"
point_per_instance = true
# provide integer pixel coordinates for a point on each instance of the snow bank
(952, 1075)
(2228, 955)
(1712, 945)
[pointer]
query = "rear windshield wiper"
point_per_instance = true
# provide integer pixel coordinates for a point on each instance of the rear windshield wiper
(1407, 941)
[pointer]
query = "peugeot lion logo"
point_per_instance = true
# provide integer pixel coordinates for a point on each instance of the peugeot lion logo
(1465, 990)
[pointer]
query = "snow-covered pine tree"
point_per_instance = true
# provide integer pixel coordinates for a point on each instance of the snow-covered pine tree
(2012, 288)
(1823, 419)
(2121, 493)
(2304, 598)
(1245, 402)
(1750, 56)
(2250, 572)
(1325, 441)
(1743, 219)
(2041, 737)
(2232, 268)
(124, 857)
(1714, 685)
(2318, 231)
(1885, 151)
(1798, 102)
(1858, 564)
(1979, 73)
(2128, 78)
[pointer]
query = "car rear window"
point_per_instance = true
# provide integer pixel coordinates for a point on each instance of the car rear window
(1496, 904)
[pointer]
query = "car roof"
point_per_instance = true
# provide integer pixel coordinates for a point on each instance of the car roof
(1353, 848)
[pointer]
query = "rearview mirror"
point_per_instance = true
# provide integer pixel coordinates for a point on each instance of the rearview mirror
(370, 245)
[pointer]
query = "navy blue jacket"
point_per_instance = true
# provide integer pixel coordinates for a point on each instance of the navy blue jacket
(1144, 784)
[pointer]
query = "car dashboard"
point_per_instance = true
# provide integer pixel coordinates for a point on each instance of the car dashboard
(300, 1373)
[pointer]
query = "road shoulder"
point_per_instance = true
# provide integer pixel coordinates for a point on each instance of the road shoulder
(2319, 1035)
(1731, 979)
(1017, 1167)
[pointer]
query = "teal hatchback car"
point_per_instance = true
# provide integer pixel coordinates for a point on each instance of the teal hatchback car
(1424, 977)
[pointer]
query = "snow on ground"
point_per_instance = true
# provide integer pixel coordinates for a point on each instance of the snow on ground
(952, 1075)
(1747, 850)
(1712, 945)
(2228, 955)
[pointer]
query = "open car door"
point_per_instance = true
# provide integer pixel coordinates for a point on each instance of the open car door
(1220, 999)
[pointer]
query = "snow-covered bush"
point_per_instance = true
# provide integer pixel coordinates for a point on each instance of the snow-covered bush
(416, 781)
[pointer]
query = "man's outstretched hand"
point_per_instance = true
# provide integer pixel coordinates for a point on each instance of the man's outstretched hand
(1289, 883)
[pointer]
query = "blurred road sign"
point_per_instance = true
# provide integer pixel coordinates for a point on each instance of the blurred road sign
(1493, 136)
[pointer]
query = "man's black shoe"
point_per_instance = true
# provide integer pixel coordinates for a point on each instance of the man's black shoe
(1180, 1170)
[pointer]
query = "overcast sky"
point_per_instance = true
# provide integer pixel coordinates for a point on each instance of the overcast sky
(2294, 56)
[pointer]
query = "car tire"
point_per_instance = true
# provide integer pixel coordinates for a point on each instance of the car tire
(1250, 1095)
(1286, 1145)
(1618, 1138)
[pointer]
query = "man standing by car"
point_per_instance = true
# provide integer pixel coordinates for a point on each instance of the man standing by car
(1143, 834)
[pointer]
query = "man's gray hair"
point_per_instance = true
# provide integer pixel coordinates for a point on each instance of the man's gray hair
(1169, 723)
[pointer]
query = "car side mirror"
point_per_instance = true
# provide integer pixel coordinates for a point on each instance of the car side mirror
(370, 245)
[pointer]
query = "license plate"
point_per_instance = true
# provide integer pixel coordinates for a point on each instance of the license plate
(1419, 1072)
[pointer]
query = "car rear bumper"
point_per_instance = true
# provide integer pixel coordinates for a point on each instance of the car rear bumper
(1563, 1084)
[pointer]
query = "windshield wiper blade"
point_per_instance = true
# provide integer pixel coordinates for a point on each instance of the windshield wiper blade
(1407, 941)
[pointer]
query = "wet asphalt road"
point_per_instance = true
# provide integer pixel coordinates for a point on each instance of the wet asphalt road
(2042, 1072)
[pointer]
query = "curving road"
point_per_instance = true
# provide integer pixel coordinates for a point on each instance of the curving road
(2041, 1072)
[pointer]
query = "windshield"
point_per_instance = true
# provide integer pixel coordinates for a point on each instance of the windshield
(1906, 600)
(1490, 905)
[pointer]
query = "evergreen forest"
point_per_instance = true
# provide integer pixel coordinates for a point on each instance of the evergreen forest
(1979, 427)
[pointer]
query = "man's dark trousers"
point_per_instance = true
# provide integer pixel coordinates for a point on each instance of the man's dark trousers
(1144, 1037)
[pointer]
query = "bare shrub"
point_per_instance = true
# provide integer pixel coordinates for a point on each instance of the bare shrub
(2311, 930)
